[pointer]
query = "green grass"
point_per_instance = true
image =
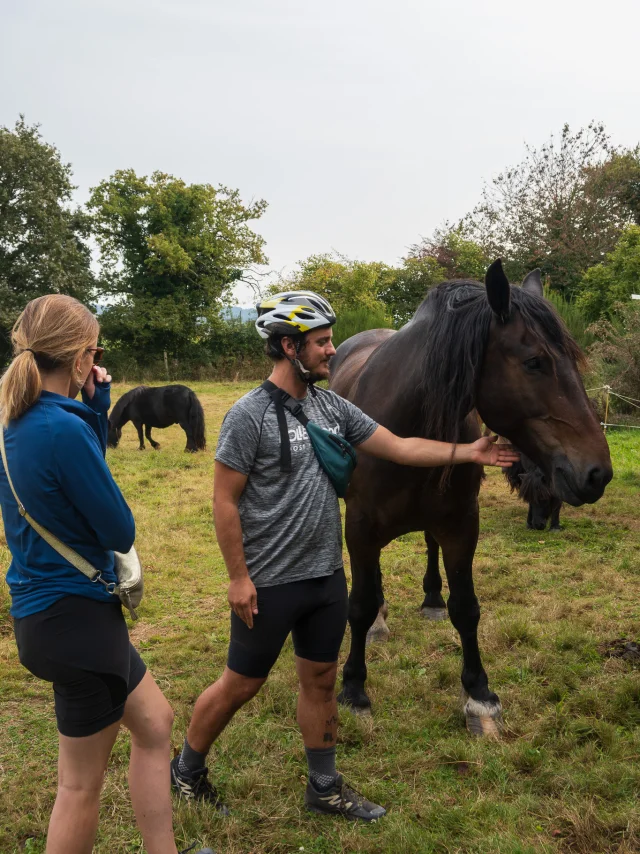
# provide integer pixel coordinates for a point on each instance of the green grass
(565, 777)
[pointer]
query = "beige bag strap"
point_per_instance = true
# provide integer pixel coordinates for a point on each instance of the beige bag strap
(67, 553)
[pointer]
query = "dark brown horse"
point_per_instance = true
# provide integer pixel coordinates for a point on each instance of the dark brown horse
(503, 352)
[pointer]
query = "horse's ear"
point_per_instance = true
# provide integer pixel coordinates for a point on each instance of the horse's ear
(532, 283)
(498, 291)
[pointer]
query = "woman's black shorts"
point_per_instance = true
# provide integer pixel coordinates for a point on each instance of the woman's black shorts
(313, 610)
(83, 647)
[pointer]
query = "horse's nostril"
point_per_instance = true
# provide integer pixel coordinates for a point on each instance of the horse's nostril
(596, 476)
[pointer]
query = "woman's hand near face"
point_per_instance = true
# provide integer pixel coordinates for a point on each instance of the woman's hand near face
(98, 374)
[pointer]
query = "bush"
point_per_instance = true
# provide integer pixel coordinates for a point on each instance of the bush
(614, 280)
(573, 316)
(232, 351)
(359, 320)
(617, 349)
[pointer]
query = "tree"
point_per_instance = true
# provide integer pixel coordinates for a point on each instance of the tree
(348, 285)
(170, 252)
(557, 209)
(408, 285)
(43, 245)
(617, 182)
(446, 255)
(457, 256)
(614, 280)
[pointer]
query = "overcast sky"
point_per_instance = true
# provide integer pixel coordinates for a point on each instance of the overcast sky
(364, 124)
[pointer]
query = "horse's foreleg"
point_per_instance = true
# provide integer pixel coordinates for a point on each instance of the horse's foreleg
(147, 432)
(556, 506)
(433, 607)
(379, 631)
(363, 607)
(530, 518)
(138, 426)
(482, 708)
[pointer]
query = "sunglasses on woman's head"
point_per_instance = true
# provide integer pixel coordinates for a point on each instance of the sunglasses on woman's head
(98, 353)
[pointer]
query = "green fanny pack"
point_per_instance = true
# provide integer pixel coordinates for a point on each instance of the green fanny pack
(336, 456)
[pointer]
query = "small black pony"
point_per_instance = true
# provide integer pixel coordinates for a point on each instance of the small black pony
(159, 407)
(529, 481)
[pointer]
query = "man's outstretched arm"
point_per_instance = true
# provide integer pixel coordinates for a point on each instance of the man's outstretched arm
(427, 453)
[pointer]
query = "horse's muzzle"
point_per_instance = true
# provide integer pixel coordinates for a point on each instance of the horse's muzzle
(580, 486)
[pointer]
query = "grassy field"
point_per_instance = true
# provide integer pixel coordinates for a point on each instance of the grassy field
(565, 778)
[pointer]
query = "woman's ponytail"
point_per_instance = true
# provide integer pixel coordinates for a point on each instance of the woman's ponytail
(20, 387)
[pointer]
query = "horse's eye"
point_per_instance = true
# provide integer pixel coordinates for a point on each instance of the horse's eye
(533, 364)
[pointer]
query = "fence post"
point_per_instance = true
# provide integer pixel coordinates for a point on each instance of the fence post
(607, 389)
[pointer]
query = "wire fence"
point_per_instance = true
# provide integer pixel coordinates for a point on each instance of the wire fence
(608, 393)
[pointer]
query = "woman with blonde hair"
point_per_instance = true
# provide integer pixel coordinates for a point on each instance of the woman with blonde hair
(70, 631)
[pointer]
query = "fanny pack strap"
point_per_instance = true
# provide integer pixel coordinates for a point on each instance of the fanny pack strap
(282, 400)
(66, 551)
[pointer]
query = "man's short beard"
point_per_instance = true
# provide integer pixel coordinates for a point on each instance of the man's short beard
(312, 377)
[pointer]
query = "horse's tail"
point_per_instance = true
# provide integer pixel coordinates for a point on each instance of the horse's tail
(196, 422)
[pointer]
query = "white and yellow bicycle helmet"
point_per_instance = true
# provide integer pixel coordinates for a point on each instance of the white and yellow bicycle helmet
(292, 313)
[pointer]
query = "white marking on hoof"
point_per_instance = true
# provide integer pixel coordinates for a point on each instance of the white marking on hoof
(483, 719)
(361, 712)
(379, 631)
(434, 613)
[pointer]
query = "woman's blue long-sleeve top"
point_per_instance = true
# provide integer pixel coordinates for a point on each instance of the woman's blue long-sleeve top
(56, 457)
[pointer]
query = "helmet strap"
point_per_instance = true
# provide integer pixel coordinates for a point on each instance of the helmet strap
(302, 372)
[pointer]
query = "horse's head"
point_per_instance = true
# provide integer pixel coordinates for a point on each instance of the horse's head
(113, 436)
(530, 390)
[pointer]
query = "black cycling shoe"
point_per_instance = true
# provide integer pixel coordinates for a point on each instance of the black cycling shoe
(342, 800)
(195, 786)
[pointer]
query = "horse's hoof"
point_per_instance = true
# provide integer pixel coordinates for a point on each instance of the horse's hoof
(485, 726)
(556, 528)
(359, 706)
(156, 447)
(483, 719)
(379, 634)
(434, 613)
(362, 712)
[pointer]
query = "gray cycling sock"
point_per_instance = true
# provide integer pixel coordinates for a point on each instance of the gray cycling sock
(190, 760)
(322, 767)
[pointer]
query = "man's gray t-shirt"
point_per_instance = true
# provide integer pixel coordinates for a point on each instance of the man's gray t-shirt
(291, 526)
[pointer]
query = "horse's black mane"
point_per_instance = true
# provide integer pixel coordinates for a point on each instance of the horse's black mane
(450, 355)
(118, 410)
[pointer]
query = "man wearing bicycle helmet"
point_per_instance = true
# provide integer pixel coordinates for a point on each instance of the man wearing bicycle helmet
(281, 538)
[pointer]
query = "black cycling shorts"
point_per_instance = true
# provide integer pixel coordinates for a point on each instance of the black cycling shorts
(83, 647)
(313, 610)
